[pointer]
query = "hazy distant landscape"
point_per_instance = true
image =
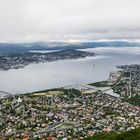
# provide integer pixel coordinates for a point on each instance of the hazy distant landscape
(14, 56)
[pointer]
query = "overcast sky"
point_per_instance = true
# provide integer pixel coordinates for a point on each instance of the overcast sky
(42, 20)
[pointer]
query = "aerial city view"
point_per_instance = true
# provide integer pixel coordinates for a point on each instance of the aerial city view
(69, 70)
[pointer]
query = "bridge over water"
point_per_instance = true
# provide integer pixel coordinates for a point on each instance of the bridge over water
(4, 94)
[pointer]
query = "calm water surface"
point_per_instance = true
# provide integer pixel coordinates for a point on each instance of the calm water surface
(61, 73)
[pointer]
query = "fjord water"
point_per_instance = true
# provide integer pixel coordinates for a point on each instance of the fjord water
(66, 72)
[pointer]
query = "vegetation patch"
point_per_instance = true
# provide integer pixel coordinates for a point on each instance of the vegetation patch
(133, 100)
(100, 84)
(129, 135)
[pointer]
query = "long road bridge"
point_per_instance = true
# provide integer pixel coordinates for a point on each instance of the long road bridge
(4, 94)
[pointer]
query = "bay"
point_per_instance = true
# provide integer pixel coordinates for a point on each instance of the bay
(67, 72)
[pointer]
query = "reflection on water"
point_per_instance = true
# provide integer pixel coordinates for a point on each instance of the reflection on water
(61, 73)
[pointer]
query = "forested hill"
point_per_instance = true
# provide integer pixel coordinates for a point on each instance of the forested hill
(129, 135)
(24, 47)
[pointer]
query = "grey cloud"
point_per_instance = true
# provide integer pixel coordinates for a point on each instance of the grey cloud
(31, 20)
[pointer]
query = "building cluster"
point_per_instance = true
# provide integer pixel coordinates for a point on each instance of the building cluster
(65, 114)
(7, 63)
(129, 81)
(114, 77)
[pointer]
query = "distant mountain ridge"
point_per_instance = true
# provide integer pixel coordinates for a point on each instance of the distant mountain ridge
(25, 47)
